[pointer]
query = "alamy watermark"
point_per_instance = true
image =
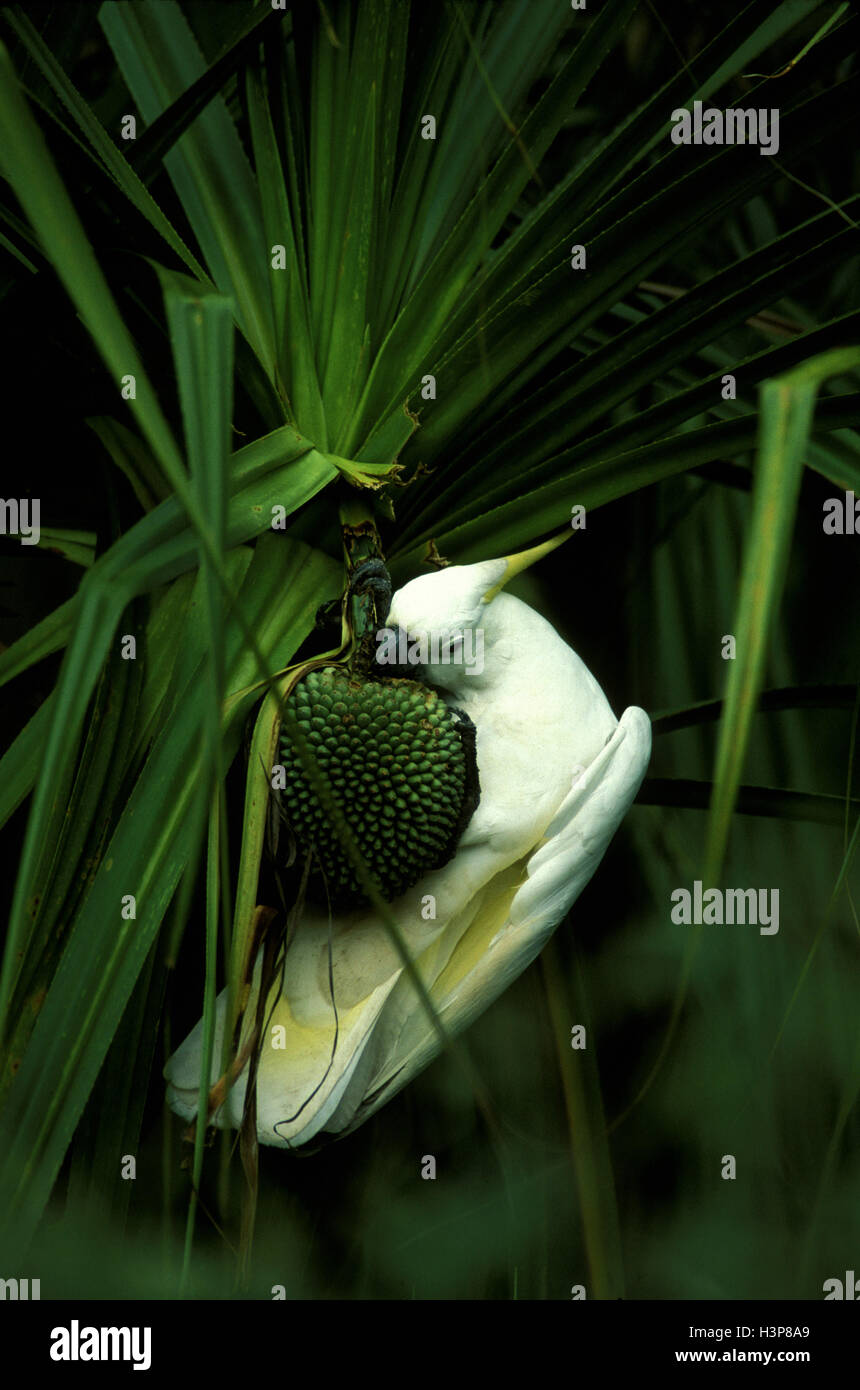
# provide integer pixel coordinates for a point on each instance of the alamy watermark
(396, 648)
(76, 1343)
(841, 516)
(716, 906)
(837, 1288)
(20, 1289)
(735, 126)
(21, 518)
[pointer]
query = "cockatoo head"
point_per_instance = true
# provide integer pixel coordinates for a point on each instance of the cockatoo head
(453, 614)
(450, 600)
(447, 620)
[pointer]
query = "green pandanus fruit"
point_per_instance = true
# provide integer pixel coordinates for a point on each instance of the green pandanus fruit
(398, 762)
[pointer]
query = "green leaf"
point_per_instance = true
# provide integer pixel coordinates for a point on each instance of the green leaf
(133, 566)
(346, 351)
(20, 764)
(149, 850)
(201, 333)
(454, 264)
(769, 701)
(149, 150)
(132, 459)
(39, 188)
(78, 819)
(776, 802)
(509, 343)
(281, 469)
(786, 415)
(78, 547)
(497, 530)
(159, 59)
(113, 1117)
(49, 635)
(296, 366)
(118, 167)
(567, 406)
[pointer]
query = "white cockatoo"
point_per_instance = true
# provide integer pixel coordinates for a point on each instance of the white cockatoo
(557, 774)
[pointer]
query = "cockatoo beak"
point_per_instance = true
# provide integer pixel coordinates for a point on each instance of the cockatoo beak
(558, 773)
(523, 560)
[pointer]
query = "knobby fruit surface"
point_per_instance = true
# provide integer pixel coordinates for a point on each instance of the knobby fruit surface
(394, 759)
